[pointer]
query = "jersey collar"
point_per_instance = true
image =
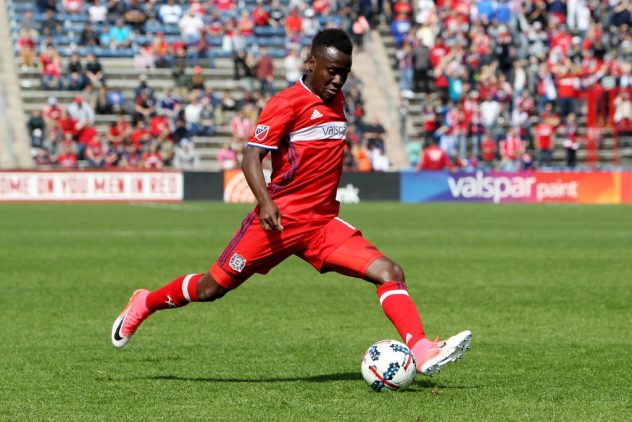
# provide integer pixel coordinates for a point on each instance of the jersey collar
(307, 88)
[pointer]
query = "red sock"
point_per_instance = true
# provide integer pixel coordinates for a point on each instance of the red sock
(178, 293)
(401, 310)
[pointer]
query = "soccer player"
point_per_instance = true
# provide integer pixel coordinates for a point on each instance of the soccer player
(303, 128)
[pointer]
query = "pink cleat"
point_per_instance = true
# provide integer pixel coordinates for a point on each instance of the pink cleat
(443, 352)
(130, 319)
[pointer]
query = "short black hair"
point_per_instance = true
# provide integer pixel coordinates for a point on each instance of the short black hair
(332, 37)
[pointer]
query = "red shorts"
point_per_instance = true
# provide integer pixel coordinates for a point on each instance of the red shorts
(254, 250)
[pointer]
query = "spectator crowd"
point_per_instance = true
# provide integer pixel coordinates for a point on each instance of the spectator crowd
(511, 81)
(505, 82)
(157, 128)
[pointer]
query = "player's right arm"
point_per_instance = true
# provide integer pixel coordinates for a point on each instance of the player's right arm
(269, 213)
(273, 125)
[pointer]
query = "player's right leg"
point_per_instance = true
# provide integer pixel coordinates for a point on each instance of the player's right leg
(251, 250)
(178, 293)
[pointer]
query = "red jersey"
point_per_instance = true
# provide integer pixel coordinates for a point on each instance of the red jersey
(67, 159)
(306, 137)
(434, 158)
(511, 148)
(544, 133)
(488, 147)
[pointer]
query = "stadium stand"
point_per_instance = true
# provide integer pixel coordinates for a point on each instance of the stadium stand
(474, 69)
(113, 74)
(469, 71)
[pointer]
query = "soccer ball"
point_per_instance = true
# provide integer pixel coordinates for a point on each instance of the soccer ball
(388, 365)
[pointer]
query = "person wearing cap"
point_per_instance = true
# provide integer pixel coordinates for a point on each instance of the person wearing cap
(81, 111)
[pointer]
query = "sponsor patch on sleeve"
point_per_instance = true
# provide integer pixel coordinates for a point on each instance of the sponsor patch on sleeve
(261, 131)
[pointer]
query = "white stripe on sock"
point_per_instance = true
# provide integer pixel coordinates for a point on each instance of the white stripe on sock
(392, 292)
(185, 287)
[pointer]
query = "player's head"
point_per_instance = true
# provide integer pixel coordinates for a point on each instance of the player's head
(329, 62)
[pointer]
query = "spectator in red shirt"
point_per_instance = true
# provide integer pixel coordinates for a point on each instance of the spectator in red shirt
(321, 7)
(434, 158)
(67, 158)
(544, 138)
(152, 158)
(438, 52)
(566, 89)
(260, 15)
(27, 49)
(119, 131)
(224, 4)
(96, 154)
(264, 71)
(160, 127)
(67, 124)
(511, 150)
(141, 135)
(51, 69)
(294, 24)
(488, 150)
(403, 7)
(245, 23)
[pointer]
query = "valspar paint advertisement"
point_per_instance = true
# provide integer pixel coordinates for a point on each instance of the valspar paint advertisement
(570, 187)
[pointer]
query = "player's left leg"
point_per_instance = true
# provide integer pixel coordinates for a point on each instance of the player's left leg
(430, 356)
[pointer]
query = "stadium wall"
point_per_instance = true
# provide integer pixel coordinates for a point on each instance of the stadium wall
(231, 186)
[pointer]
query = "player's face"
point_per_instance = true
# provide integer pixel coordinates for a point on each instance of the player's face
(328, 72)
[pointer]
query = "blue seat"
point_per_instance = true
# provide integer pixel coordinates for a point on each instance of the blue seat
(277, 53)
(324, 20)
(269, 31)
(271, 42)
(67, 51)
(107, 52)
(214, 41)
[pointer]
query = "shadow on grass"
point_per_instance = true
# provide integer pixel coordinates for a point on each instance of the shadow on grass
(343, 376)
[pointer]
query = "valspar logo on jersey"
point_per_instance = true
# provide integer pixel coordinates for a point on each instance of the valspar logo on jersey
(334, 130)
(496, 188)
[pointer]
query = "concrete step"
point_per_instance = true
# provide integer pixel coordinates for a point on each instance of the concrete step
(159, 84)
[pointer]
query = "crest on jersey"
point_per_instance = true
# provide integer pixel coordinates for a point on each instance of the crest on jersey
(237, 262)
(261, 132)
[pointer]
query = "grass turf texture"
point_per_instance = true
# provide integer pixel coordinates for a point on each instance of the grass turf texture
(546, 291)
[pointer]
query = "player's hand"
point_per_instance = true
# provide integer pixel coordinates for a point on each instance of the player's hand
(270, 217)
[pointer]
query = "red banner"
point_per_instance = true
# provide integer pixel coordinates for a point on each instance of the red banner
(91, 186)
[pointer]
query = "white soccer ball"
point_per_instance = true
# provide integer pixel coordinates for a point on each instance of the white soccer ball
(388, 365)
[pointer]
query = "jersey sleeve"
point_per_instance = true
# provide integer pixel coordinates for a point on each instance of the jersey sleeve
(273, 125)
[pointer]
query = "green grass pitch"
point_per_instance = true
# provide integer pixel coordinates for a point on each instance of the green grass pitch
(546, 290)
